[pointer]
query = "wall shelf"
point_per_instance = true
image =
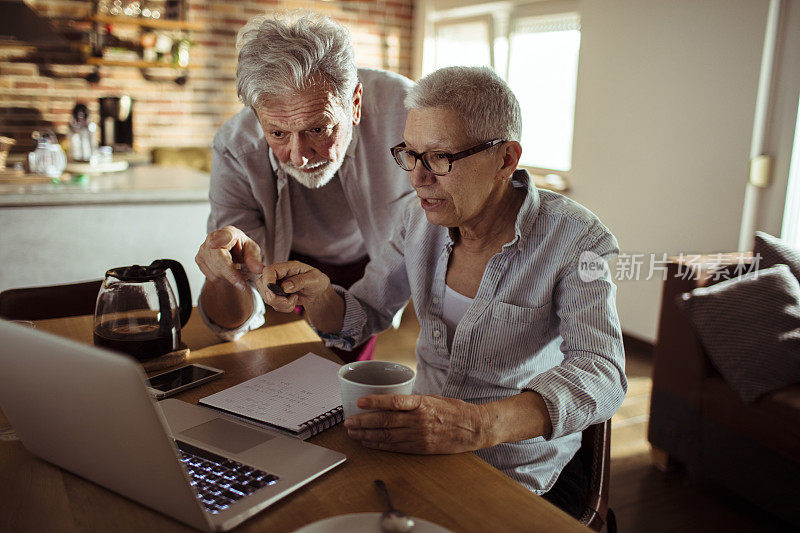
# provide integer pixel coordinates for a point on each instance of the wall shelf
(132, 63)
(158, 39)
(156, 24)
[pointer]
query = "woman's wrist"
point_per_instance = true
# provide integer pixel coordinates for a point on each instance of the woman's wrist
(326, 312)
(488, 425)
(519, 417)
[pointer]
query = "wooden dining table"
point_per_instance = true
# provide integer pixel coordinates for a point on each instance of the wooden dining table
(460, 491)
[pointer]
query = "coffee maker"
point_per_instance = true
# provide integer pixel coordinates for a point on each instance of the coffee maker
(116, 122)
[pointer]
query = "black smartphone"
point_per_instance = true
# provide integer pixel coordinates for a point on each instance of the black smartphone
(180, 379)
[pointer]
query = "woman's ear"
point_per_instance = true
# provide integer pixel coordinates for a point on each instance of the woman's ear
(510, 152)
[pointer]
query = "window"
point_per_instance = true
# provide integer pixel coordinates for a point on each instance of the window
(535, 49)
(463, 42)
(791, 215)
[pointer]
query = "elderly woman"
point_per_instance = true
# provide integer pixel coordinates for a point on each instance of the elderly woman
(520, 345)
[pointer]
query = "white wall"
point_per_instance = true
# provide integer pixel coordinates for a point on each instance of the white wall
(663, 122)
(64, 244)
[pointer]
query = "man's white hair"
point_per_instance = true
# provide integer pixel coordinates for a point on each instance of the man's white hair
(286, 53)
(487, 106)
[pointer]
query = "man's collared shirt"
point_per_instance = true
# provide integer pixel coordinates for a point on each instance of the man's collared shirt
(249, 190)
(534, 324)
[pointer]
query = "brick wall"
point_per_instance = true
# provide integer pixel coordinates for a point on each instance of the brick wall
(40, 85)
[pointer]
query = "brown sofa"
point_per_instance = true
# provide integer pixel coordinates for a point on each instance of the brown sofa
(696, 419)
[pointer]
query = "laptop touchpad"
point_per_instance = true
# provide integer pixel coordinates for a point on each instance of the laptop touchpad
(228, 436)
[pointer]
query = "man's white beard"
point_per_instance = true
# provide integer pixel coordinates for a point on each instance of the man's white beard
(321, 174)
(319, 177)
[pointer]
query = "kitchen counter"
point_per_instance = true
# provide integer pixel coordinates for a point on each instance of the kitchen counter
(141, 184)
(67, 232)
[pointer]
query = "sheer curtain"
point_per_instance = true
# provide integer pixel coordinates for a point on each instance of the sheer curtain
(464, 42)
(543, 73)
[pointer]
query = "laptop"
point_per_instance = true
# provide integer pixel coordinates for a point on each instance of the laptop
(87, 410)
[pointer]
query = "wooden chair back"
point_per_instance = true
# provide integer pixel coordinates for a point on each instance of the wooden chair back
(54, 301)
(596, 455)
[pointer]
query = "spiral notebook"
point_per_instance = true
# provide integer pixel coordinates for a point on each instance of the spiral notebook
(299, 399)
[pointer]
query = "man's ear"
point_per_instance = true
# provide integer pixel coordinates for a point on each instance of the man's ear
(357, 104)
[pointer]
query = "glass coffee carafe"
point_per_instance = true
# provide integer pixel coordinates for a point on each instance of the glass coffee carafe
(137, 313)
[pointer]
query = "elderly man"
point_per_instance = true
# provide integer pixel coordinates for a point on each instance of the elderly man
(520, 346)
(302, 171)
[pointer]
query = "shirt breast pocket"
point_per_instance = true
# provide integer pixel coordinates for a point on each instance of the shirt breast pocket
(504, 312)
(515, 334)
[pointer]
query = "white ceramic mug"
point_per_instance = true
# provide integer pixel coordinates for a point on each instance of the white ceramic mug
(365, 378)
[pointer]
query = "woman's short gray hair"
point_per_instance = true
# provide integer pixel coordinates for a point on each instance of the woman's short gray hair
(485, 103)
(286, 53)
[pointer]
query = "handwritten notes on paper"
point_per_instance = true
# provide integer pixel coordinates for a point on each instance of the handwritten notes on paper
(289, 396)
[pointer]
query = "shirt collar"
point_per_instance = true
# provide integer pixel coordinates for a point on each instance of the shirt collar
(351, 149)
(528, 211)
(273, 161)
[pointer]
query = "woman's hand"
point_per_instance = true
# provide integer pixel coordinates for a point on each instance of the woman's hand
(419, 424)
(303, 285)
(306, 286)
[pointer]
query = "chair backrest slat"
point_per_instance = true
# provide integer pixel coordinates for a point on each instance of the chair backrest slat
(596, 455)
(54, 301)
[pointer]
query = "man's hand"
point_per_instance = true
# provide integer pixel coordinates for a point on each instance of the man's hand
(418, 424)
(223, 248)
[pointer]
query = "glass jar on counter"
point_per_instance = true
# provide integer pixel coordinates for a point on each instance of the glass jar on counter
(48, 158)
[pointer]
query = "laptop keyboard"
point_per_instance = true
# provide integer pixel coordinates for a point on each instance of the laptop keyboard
(218, 480)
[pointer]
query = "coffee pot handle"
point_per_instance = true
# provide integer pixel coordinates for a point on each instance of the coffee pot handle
(184, 291)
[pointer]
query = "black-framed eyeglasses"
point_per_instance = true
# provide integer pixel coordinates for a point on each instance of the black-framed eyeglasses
(438, 163)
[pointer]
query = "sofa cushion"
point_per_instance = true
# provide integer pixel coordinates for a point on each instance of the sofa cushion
(770, 251)
(750, 329)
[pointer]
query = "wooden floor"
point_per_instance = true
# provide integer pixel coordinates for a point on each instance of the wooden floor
(643, 498)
